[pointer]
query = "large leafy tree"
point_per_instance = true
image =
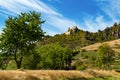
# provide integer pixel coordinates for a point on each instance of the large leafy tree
(20, 35)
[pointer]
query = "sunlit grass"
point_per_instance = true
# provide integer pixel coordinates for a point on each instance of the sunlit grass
(58, 75)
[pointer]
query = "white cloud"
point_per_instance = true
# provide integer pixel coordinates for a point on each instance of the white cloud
(16, 6)
(61, 22)
(90, 25)
(111, 8)
(54, 0)
(94, 23)
(54, 20)
(101, 22)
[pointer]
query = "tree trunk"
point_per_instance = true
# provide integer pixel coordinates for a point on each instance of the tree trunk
(19, 65)
(18, 61)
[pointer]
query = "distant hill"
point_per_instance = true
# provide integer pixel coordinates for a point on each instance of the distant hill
(75, 37)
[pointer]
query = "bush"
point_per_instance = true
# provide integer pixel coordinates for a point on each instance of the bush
(116, 68)
(80, 68)
(105, 56)
(83, 50)
(86, 59)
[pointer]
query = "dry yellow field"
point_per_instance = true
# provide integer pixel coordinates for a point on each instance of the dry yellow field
(54, 74)
(96, 45)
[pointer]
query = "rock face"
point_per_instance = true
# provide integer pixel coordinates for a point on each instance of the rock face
(72, 30)
(117, 34)
(113, 31)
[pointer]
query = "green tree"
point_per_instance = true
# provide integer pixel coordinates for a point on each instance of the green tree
(105, 56)
(53, 56)
(20, 35)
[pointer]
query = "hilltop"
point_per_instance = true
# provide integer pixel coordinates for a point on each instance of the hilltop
(75, 37)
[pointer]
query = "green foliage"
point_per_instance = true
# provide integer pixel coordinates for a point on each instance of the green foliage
(11, 65)
(4, 60)
(31, 61)
(86, 59)
(105, 56)
(20, 35)
(80, 68)
(54, 56)
(83, 50)
(116, 68)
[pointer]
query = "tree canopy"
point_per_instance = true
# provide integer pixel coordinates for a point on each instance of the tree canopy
(20, 34)
(54, 56)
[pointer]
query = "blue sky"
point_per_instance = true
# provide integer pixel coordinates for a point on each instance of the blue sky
(89, 15)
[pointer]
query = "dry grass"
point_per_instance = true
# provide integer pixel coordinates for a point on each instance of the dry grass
(42, 75)
(53, 74)
(98, 73)
(96, 45)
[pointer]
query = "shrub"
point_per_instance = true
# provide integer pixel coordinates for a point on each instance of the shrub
(105, 56)
(80, 68)
(83, 50)
(116, 68)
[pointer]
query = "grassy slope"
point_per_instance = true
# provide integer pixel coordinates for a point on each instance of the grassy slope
(113, 44)
(58, 75)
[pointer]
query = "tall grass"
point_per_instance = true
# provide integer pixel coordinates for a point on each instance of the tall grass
(58, 75)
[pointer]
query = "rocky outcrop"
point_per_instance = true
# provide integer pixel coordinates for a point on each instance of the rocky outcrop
(117, 33)
(109, 33)
(113, 32)
(72, 30)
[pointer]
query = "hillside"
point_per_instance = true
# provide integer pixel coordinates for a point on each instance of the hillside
(114, 44)
(75, 37)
